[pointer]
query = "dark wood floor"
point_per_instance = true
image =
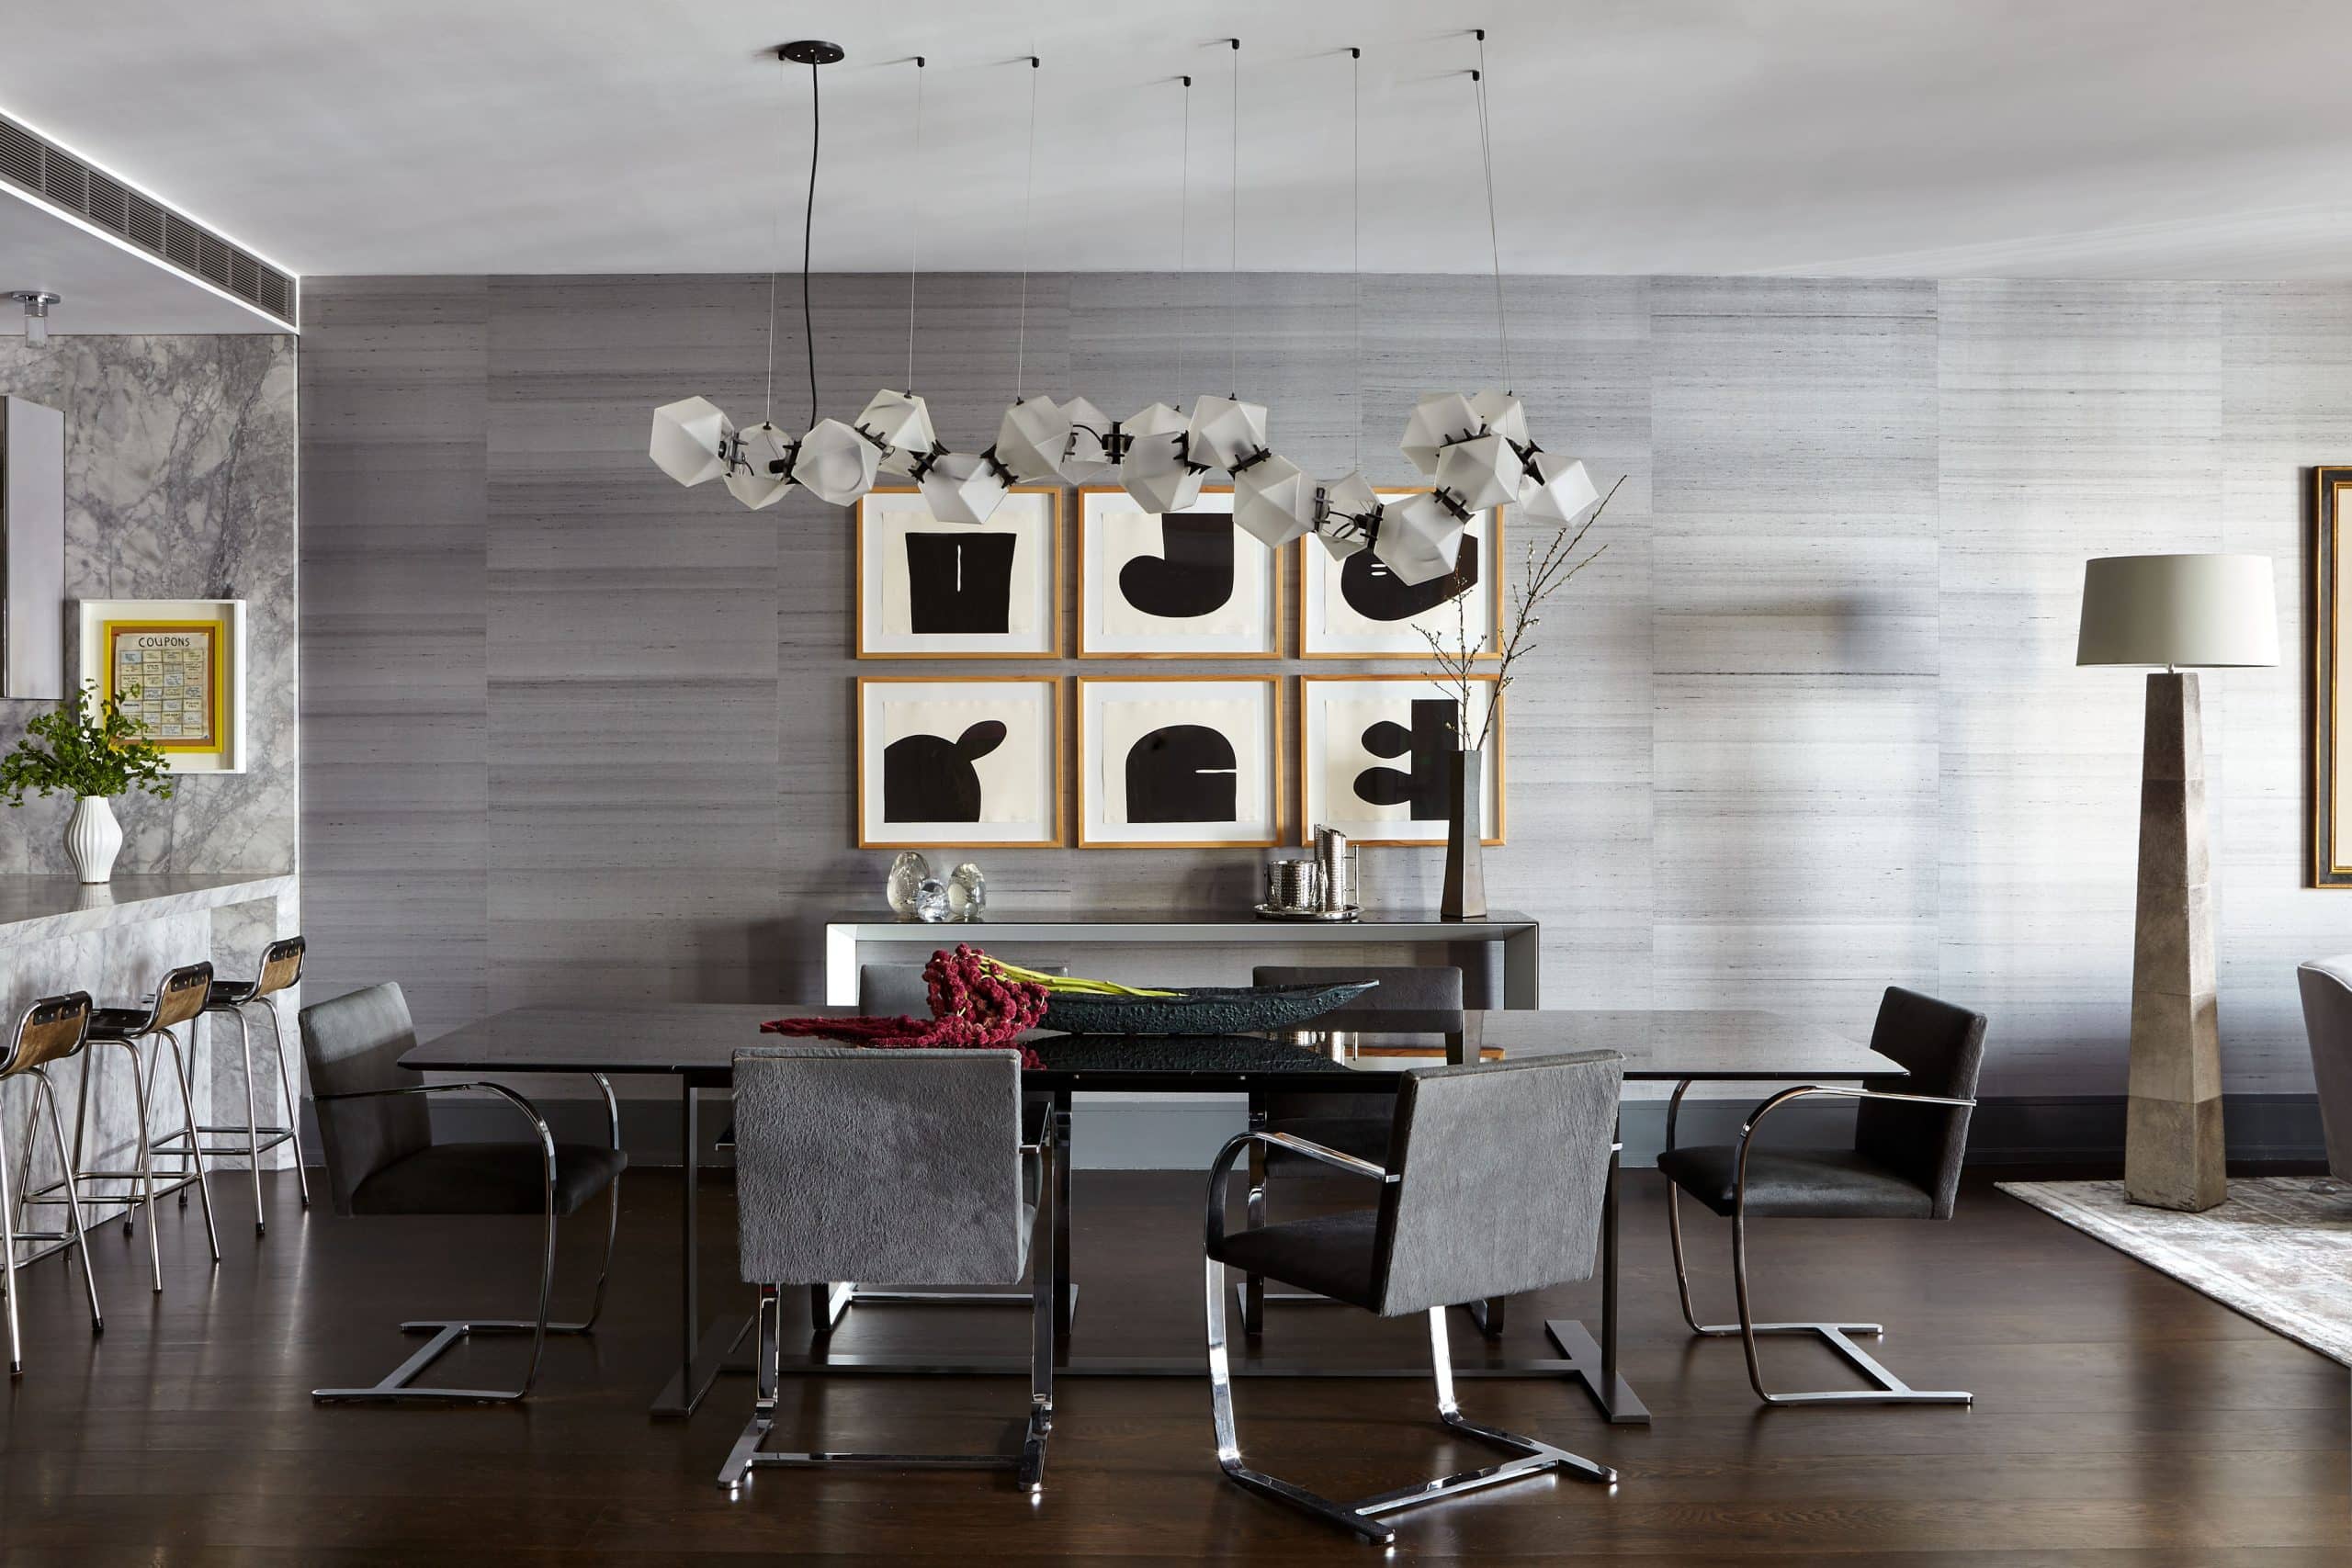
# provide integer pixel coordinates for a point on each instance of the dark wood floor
(2120, 1419)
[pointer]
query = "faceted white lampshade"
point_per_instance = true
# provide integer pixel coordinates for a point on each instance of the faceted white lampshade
(1346, 501)
(1157, 471)
(1033, 441)
(837, 465)
(1419, 539)
(1481, 472)
(1226, 434)
(902, 422)
(689, 436)
(960, 488)
(1274, 501)
(764, 471)
(1090, 431)
(2212, 611)
(1503, 414)
(1437, 419)
(1557, 489)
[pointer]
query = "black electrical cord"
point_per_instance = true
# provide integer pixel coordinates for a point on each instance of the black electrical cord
(808, 233)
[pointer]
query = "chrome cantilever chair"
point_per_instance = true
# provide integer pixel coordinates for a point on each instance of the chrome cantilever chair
(178, 998)
(1909, 1137)
(281, 969)
(898, 990)
(51, 1029)
(886, 1165)
(1497, 1187)
(1352, 1123)
(382, 1159)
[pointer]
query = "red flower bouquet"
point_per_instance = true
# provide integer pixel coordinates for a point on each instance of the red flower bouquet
(972, 1005)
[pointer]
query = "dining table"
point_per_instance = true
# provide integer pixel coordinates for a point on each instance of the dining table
(693, 1045)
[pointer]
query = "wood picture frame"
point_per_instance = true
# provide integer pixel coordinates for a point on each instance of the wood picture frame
(1030, 517)
(2331, 699)
(1029, 709)
(1105, 815)
(1098, 507)
(1320, 579)
(199, 646)
(1316, 692)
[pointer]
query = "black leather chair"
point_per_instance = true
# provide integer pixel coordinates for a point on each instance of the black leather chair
(382, 1159)
(1498, 1186)
(1909, 1135)
(1352, 1123)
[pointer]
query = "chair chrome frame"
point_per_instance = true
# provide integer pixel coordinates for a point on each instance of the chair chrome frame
(395, 1385)
(1889, 1388)
(1028, 1466)
(1363, 1516)
(12, 1229)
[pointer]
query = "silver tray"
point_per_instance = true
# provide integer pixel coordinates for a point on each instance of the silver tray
(1275, 912)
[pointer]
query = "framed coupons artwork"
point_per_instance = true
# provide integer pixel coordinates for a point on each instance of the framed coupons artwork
(950, 763)
(928, 589)
(1372, 756)
(178, 667)
(1186, 585)
(1357, 609)
(1179, 762)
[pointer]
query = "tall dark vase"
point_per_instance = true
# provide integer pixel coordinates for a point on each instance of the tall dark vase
(1464, 898)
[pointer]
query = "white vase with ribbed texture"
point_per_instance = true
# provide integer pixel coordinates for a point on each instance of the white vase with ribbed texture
(93, 838)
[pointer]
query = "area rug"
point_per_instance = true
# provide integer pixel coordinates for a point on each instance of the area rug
(2277, 1251)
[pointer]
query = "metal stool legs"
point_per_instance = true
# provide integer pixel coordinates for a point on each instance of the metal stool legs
(1362, 1517)
(258, 1138)
(188, 1140)
(44, 1092)
(1889, 1389)
(143, 1177)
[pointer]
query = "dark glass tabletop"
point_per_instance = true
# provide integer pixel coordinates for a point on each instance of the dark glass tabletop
(701, 1038)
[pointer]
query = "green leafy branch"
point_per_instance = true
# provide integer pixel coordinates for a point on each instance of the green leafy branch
(87, 745)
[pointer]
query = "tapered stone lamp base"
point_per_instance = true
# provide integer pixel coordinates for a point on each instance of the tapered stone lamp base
(2172, 1145)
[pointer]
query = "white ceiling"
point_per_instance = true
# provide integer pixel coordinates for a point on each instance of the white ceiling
(2085, 138)
(107, 286)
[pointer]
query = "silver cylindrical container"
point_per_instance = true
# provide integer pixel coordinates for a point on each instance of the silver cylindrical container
(1295, 884)
(1335, 859)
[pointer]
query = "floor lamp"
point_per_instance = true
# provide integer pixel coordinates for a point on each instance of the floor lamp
(2171, 611)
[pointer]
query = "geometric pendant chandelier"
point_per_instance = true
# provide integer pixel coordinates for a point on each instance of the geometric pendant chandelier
(1475, 449)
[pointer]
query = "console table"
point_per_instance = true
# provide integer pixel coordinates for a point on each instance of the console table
(1500, 957)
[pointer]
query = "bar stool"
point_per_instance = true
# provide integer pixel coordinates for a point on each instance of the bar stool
(177, 1001)
(281, 967)
(51, 1029)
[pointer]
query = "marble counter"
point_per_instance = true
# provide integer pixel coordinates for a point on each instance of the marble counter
(115, 941)
(42, 908)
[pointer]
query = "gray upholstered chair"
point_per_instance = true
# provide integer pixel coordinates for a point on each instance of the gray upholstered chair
(1910, 1133)
(381, 1158)
(1497, 1185)
(2328, 1020)
(1352, 1123)
(862, 1163)
(51, 1029)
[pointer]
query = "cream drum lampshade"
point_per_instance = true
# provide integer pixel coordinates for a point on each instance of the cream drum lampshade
(2194, 610)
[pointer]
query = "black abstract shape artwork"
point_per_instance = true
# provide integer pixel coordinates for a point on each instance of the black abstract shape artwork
(959, 583)
(1182, 772)
(1192, 575)
(929, 778)
(1421, 784)
(1374, 592)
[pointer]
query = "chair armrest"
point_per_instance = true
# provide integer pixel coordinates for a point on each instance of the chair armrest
(531, 1112)
(1221, 1169)
(612, 1108)
(1674, 1110)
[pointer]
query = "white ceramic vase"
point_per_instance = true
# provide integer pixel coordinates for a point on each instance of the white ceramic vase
(93, 838)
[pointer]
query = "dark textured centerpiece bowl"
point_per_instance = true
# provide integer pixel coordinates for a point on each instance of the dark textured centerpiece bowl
(1204, 1009)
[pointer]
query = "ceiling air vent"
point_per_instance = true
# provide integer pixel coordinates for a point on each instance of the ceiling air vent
(42, 168)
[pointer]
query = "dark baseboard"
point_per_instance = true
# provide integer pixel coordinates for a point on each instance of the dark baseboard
(2050, 1131)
